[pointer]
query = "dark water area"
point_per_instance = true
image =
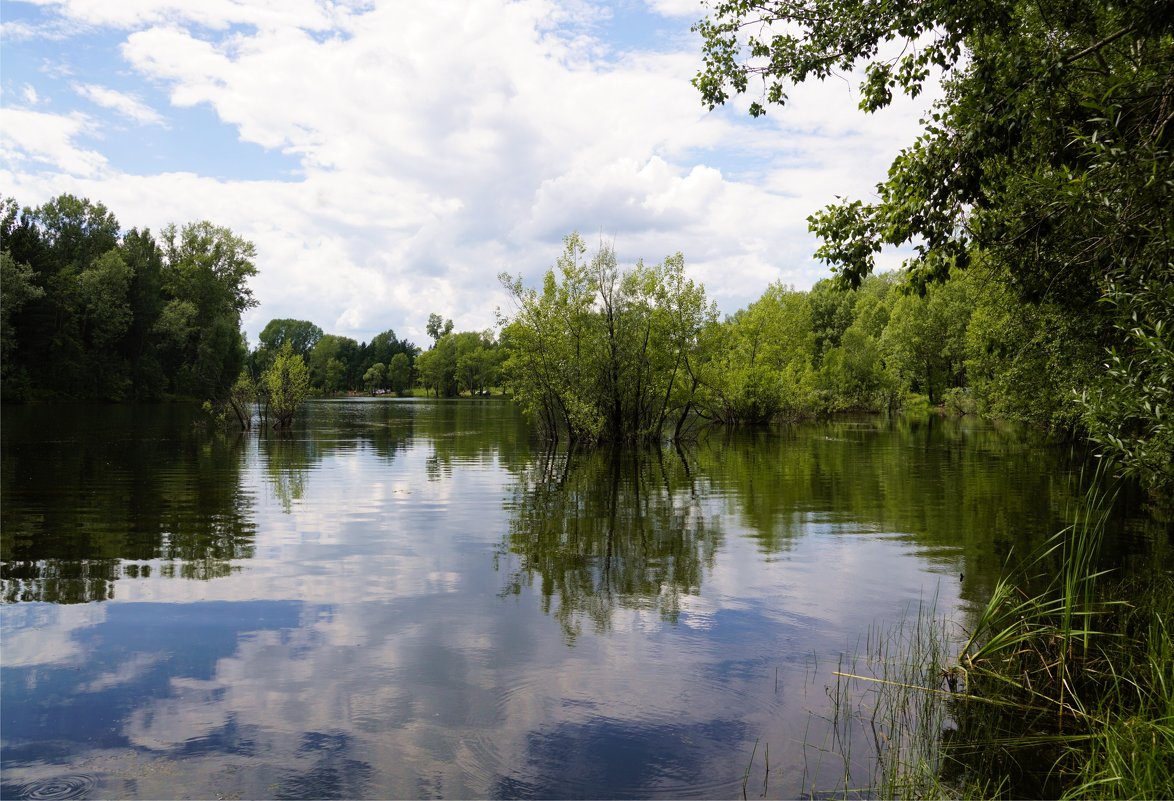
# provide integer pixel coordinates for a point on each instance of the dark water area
(409, 599)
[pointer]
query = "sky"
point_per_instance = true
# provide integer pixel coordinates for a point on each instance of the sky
(391, 159)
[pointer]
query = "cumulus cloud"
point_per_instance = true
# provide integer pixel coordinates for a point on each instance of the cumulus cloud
(38, 140)
(438, 145)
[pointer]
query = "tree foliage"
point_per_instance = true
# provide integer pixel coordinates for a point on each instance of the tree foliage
(601, 354)
(1047, 161)
(302, 335)
(99, 313)
(286, 385)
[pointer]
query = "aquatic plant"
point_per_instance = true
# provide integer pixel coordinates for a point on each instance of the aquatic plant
(1063, 686)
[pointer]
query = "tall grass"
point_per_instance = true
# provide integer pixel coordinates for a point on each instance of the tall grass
(1062, 688)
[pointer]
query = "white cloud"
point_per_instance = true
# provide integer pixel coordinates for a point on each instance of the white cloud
(690, 9)
(215, 14)
(441, 144)
(43, 634)
(35, 139)
(127, 105)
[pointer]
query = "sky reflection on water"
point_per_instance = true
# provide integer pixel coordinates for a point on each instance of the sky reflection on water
(406, 600)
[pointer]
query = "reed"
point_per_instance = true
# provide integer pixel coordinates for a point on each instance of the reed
(1064, 691)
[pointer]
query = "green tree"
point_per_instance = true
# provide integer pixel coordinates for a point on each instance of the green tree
(1127, 409)
(286, 385)
(601, 354)
(1048, 157)
(60, 241)
(335, 380)
(144, 258)
(241, 399)
(765, 367)
(438, 326)
(384, 347)
(302, 335)
(330, 361)
(1023, 360)
(437, 367)
(478, 361)
(104, 317)
(17, 287)
(205, 281)
(376, 377)
(925, 340)
(831, 314)
(399, 373)
(104, 303)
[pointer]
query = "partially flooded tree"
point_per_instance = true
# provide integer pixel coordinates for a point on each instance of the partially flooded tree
(286, 384)
(603, 355)
(242, 397)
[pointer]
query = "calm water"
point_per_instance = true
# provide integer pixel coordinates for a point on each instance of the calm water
(410, 599)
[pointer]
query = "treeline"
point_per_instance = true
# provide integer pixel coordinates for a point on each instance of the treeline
(603, 355)
(458, 362)
(336, 363)
(91, 311)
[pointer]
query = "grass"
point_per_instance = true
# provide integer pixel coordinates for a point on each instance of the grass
(1065, 691)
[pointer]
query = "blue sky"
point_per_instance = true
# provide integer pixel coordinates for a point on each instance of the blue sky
(390, 159)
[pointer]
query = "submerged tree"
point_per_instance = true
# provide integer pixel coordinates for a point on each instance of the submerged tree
(604, 355)
(286, 385)
(242, 397)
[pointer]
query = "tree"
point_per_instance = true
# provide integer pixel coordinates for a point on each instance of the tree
(205, 281)
(241, 398)
(1127, 410)
(603, 355)
(438, 326)
(437, 367)
(399, 373)
(1036, 95)
(478, 360)
(376, 377)
(765, 366)
(1023, 360)
(302, 335)
(102, 294)
(384, 347)
(329, 362)
(287, 385)
(61, 240)
(18, 288)
(116, 317)
(925, 340)
(1047, 161)
(144, 258)
(831, 314)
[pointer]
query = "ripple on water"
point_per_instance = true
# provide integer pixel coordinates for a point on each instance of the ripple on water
(76, 785)
(570, 746)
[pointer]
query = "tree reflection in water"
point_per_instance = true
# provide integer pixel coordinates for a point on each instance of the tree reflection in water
(86, 509)
(608, 530)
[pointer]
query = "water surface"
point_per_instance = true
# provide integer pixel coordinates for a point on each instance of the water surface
(411, 599)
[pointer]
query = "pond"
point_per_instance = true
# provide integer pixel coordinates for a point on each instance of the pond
(407, 598)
